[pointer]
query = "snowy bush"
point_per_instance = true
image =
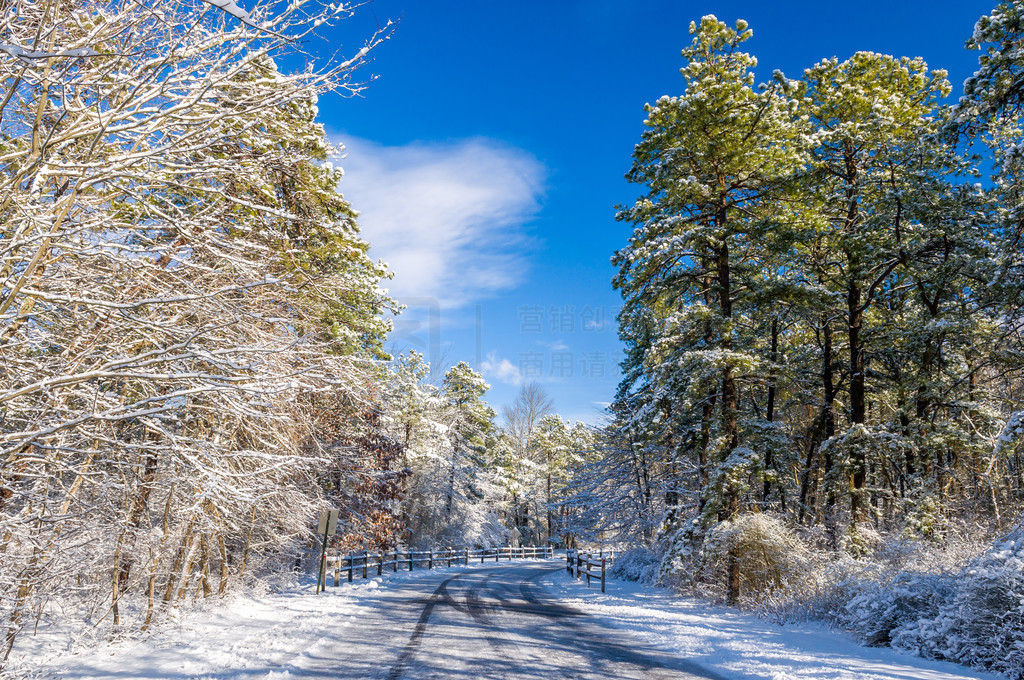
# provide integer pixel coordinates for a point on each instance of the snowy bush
(924, 516)
(880, 608)
(982, 622)
(874, 594)
(636, 564)
(681, 563)
(771, 557)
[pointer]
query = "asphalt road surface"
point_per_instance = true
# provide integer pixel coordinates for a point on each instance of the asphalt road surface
(487, 621)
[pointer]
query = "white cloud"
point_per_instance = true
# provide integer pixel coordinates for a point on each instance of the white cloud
(501, 369)
(447, 218)
(597, 324)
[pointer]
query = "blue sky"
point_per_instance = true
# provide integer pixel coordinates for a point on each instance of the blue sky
(487, 157)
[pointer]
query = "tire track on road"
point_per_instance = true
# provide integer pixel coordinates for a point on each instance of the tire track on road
(580, 623)
(421, 626)
(502, 608)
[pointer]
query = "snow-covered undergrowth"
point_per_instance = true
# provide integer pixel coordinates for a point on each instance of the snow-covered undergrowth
(958, 601)
(979, 619)
(940, 603)
(635, 564)
(744, 646)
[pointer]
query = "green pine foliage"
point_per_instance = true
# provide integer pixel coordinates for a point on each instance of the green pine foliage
(821, 309)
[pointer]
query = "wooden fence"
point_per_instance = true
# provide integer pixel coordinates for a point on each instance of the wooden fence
(580, 563)
(366, 563)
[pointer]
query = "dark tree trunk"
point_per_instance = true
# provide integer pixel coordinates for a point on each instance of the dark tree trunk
(770, 407)
(730, 402)
(855, 320)
(824, 427)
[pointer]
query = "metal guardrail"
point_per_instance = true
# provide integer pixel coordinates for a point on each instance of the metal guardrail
(580, 563)
(366, 562)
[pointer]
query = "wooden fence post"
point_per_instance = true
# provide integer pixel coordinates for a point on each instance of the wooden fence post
(380, 564)
(366, 561)
(602, 574)
(350, 560)
(410, 560)
(395, 563)
(430, 560)
(467, 557)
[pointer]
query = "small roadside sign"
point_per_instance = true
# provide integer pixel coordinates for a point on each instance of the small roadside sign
(328, 525)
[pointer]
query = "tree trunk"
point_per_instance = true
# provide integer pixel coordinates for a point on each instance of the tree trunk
(858, 462)
(770, 407)
(730, 405)
(855, 320)
(124, 558)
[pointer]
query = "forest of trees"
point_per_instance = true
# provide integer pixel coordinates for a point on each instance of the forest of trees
(822, 408)
(192, 333)
(823, 323)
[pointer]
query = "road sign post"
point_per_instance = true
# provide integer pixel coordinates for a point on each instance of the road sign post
(327, 527)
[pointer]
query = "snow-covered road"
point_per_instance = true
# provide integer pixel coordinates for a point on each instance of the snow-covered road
(524, 620)
(497, 622)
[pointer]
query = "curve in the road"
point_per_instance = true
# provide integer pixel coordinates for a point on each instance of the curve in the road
(495, 623)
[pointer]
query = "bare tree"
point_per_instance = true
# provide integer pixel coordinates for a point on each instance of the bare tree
(524, 414)
(522, 417)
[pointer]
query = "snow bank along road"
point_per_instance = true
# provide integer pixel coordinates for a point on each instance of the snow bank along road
(524, 620)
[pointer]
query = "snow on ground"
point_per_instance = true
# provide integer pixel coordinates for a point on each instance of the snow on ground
(279, 635)
(248, 633)
(743, 646)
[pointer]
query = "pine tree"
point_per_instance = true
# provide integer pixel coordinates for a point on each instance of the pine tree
(880, 170)
(710, 160)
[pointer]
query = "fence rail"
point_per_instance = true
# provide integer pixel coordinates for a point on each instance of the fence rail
(580, 563)
(365, 563)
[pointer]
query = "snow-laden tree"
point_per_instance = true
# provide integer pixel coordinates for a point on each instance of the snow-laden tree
(611, 496)
(990, 112)
(560, 446)
(179, 278)
(997, 88)
(879, 180)
(821, 309)
(449, 446)
(710, 161)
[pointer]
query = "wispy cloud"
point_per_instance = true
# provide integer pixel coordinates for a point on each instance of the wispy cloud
(448, 218)
(501, 369)
(597, 325)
